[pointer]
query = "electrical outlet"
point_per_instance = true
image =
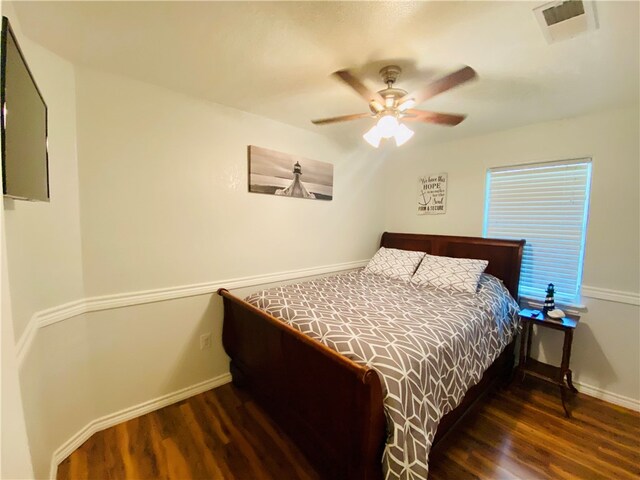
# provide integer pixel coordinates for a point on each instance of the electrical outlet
(205, 341)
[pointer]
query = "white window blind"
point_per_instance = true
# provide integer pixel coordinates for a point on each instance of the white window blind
(547, 205)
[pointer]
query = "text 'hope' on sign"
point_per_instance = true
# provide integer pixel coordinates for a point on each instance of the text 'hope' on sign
(432, 194)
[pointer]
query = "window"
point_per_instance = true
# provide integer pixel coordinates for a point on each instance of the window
(547, 204)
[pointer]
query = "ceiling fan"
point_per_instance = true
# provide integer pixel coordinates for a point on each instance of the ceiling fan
(392, 105)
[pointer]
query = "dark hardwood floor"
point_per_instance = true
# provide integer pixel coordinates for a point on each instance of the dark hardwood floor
(519, 432)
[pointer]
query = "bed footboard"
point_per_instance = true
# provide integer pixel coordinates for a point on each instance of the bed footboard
(330, 406)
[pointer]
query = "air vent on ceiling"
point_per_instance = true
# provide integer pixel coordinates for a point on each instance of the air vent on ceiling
(562, 20)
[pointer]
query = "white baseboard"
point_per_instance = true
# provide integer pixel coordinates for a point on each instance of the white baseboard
(627, 402)
(123, 415)
(149, 406)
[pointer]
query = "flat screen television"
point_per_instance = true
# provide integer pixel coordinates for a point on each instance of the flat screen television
(23, 121)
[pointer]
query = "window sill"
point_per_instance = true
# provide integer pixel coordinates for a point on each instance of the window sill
(535, 303)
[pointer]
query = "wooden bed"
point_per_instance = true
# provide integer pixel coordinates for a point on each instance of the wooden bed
(331, 407)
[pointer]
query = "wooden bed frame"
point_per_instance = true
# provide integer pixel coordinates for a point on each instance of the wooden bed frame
(330, 406)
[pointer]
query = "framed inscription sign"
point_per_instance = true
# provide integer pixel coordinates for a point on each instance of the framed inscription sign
(432, 194)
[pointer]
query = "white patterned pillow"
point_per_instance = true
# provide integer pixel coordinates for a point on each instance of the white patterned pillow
(394, 263)
(457, 274)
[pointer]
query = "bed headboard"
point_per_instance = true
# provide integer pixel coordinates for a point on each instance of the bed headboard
(504, 256)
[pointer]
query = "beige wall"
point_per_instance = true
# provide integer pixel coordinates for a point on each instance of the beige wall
(15, 458)
(164, 203)
(43, 261)
(90, 366)
(57, 388)
(43, 238)
(156, 196)
(164, 197)
(606, 348)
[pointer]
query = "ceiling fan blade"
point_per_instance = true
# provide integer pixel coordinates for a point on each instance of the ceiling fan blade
(360, 88)
(343, 118)
(433, 117)
(441, 85)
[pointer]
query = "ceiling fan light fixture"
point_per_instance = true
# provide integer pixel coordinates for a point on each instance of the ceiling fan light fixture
(391, 104)
(387, 126)
(373, 137)
(403, 134)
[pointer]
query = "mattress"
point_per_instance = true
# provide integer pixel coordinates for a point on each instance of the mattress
(428, 345)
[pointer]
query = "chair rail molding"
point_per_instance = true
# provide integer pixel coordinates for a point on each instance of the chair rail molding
(619, 296)
(69, 310)
(59, 313)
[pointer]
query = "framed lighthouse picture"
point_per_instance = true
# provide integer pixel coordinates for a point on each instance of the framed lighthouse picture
(276, 173)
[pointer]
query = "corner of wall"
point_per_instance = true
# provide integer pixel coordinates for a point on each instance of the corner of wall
(15, 456)
(37, 280)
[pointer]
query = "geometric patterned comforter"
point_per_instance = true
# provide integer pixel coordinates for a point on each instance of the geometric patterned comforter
(428, 345)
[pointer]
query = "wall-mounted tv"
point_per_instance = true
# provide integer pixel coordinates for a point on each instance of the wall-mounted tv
(23, 121)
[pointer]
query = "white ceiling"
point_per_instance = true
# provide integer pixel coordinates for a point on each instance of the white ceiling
(274, 58)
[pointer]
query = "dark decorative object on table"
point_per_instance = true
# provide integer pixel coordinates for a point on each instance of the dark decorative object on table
(549, 302)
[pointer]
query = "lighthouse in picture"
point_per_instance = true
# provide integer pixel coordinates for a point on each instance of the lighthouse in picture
(297, 188)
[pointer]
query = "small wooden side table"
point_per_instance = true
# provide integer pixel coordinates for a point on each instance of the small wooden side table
(550, 373)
